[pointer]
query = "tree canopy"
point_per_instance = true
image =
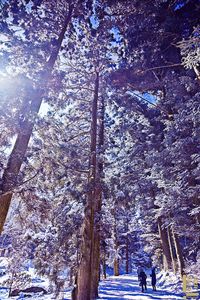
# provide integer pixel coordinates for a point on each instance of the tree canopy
(99, 125)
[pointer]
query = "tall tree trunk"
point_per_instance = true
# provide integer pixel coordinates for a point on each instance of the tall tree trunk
(171, 250)
(127, 249)
(165, 245)
(95, 264)
(127, 255)
(85, 274)
(179, 254)
(10, 175)
(167, 262)
(116, 259)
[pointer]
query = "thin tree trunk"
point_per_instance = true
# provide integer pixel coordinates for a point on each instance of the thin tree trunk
(127, 249)
(116, 260)
(165, 245)
(85, 274)
(96, 250)
(127, 255)
(104, 265)
(179, 254)
(131, 268)
(11, 284)
(171, 250)
(116, 267)
(10, 175)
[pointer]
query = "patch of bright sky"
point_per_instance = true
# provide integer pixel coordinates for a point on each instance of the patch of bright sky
(3, 37)
(19, 31)
(149, 97)
(7, 82)
(44, 109)
(180, 4)
(29, 7)
(116, 34)
(115, 43)
(3, 40)
(94, 21)
(2, 2)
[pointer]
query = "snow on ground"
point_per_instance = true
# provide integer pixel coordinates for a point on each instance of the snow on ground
(119, 288)
(127, 287)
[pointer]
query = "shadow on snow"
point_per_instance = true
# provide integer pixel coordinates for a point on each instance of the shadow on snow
(124, 288)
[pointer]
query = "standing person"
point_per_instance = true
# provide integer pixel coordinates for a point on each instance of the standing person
(143, 280)
(153, 279)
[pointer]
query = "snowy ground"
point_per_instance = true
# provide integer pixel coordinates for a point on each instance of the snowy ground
(118, 288)
(126, 287)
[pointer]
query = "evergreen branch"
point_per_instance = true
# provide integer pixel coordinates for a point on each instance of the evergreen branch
(20, 184)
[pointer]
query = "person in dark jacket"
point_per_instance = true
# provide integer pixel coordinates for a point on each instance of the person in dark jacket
(143, 280)
(153, 279)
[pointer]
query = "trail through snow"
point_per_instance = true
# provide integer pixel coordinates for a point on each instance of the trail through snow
(115, 288)
(127, 287)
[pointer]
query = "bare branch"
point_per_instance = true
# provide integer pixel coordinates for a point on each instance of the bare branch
(155, 105)
(162, 67)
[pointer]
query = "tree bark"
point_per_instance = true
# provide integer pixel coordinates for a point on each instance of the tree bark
(127, 255)
(167, 262)
(171, 250)
(116, 267)
(88, 247)
(179, 254)
(10, 175)
(127, 249)
(95, 264)
(116, 259)
(104, 265)
(165, 245)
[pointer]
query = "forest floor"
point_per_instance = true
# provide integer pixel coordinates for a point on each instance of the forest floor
(123, 287)
(127, 287)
